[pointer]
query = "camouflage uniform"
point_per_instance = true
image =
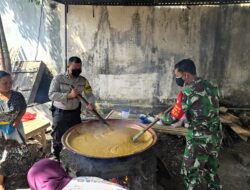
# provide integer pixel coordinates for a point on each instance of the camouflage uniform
(200, 102)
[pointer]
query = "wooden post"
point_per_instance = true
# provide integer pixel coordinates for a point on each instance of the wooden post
(5, 63)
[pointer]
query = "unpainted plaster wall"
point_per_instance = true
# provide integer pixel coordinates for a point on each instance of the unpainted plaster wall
(129, 52)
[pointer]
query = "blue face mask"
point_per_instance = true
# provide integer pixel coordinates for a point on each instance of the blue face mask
(179, 81)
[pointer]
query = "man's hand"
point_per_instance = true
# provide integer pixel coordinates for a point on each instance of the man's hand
(73, 93)
(158, 116)
(90, 107)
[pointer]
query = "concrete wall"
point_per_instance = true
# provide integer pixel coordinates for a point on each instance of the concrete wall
(34, 32)
(129, 52)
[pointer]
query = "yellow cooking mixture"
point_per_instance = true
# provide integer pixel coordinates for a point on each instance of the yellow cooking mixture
(107, 142)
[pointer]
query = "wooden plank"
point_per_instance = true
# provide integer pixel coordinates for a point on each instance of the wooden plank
(33, 127)
(174, 131)
(43, 110)
(225, 120)
(243, 138)
(158, 128)
(239, 130)
(36, 129)
(26, 78)
(223, 109)
(229, 118)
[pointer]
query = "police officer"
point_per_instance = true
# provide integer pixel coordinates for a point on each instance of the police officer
(200, 102)
(66, 107)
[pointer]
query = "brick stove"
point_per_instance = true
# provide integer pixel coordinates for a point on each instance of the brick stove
(136, 172)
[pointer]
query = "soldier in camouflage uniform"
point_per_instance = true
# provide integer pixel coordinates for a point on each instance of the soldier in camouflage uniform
(200, 103)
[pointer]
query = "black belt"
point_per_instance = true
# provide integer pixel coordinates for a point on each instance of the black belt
(67, 111)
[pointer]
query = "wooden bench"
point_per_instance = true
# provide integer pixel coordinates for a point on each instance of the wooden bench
(36, 129)
(180, 131)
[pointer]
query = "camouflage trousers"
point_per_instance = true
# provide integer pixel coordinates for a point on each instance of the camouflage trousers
(200, 162)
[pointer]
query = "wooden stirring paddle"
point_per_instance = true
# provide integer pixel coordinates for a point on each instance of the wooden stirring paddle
(82, 99)
(135, 137)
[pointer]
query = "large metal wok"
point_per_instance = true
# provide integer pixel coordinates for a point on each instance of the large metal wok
(92, 125)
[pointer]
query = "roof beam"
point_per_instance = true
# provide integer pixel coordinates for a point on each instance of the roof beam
(150, 2)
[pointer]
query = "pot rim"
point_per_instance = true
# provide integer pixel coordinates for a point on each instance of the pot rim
(139, 125)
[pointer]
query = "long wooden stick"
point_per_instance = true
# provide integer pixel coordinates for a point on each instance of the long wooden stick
(109, 114)
(82, 99)
(151, 125)
(94, 110)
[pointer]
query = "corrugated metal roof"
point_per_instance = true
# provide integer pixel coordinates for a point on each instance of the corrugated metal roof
(150, 2)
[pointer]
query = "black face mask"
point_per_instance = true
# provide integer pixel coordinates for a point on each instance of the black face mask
(76, 72)
(179, 81)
